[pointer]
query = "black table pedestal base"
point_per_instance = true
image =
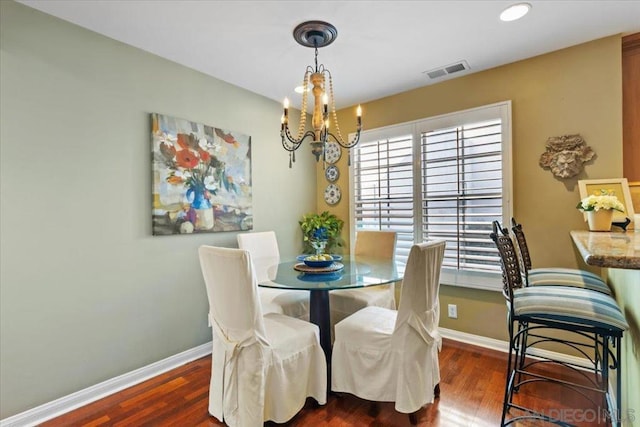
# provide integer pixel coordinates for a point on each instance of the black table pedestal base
(320, 314)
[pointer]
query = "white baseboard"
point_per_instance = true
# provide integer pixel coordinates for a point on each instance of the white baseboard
(55, 408)
(480, 341)
(47, 411)
(503, 346)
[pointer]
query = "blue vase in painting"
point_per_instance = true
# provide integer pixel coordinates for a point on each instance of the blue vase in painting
(201, 212)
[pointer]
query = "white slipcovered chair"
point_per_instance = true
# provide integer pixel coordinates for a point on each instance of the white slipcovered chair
(263, 366)
(263, 247)
(385, 355)
(370, 244)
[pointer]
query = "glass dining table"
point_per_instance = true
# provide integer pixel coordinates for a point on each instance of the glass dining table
(357, 272)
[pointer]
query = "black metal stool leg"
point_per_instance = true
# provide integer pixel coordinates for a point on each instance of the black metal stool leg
(510, 375)
(618, 414)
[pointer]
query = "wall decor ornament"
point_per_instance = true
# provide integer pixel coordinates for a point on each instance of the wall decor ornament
(566, 155)
(332, 194)
(332, 173)
(201, 178)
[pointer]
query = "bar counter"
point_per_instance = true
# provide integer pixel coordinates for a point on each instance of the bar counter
(608, 248)
(619, 253)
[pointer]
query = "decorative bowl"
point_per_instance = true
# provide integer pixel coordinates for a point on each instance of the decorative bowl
(301, 258)
(318, 263)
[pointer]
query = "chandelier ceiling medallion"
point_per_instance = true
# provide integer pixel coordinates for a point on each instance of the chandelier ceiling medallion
(316, 34)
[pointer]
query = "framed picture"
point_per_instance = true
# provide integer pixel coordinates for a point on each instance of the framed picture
(201, 178)
(618, 186)
(634, 189)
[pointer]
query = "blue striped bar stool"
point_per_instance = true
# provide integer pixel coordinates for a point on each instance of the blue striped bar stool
(566, 277)
(535, 313)
(554, 275)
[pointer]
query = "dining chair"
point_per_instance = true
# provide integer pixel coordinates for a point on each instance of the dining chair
(263, 247)
(369, 244)
(591, 323)
(385, 355)
(553, 275)
(264, 366)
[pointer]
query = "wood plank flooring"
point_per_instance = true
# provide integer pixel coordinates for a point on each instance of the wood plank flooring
(472, 387)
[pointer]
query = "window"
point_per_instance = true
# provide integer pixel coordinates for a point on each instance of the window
(446, 177)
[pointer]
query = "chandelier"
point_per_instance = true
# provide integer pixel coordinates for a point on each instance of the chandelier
(316, 34)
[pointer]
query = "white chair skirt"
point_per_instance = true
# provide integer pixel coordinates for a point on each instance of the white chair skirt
(289, 374)
(368, 363)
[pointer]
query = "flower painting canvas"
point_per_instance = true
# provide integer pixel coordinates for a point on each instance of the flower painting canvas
(201, 178)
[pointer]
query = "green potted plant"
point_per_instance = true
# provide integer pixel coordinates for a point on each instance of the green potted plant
(321, 232)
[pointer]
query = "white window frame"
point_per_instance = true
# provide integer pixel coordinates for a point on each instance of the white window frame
(471, 279)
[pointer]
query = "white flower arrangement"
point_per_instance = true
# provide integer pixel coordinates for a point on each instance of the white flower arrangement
(602, 200)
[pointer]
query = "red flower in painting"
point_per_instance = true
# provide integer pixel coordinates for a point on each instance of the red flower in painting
(204, 155)
(187, 159)
(192, 163)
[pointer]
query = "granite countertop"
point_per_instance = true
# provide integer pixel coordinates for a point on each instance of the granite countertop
(609, 249)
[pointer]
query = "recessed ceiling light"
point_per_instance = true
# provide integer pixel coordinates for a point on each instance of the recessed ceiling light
(515, 11)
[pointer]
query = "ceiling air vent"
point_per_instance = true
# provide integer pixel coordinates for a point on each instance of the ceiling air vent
(447, 70)
(436, 73)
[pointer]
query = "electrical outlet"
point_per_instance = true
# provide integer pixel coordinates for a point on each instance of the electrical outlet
(453, 311)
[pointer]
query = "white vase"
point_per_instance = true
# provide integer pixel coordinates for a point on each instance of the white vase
(205, 219)
(600, 220)
(319, 246)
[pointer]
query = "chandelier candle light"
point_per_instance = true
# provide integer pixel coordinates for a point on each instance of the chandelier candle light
(316, 34)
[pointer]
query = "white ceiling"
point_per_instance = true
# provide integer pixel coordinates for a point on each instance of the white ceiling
(382, 48)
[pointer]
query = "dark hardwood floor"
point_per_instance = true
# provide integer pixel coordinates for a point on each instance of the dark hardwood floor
(472, 387)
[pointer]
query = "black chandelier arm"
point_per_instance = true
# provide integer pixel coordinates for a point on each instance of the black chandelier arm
(285, 133)
(291, 144)
(290, 147)
(347, 145)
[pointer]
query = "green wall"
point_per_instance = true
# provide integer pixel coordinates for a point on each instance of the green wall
(87, 293)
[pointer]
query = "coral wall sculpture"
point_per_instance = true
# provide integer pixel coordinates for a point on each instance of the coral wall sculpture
(566, 155)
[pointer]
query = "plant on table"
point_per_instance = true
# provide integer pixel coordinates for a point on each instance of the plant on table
(601, 200)
(321, 232)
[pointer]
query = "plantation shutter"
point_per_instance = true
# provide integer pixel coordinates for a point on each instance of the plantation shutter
(444, 177)
(383, 187)
(462, 192)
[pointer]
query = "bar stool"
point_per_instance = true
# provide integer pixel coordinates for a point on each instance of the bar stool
(554, 275)
(534, 312)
